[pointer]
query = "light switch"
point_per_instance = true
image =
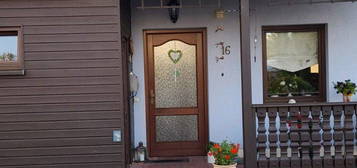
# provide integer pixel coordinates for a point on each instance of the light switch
(117, 136)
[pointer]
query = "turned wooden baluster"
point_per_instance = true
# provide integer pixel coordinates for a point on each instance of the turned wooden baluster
(305, 137)
(338, 137)
(316, 137)
(284, 138)
(327, 137)
(349, 136)
(262, 138)
(295, 138)
(273, 138)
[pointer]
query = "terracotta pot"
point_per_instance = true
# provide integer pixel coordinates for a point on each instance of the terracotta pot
(347, 98)
(224, 166)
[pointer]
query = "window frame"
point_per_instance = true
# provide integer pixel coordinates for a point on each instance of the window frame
(322, 43)
(13, 68)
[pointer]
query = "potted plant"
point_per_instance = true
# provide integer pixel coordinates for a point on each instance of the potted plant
(224, 154)
(346, 88)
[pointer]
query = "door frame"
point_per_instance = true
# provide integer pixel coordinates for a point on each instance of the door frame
(147, 32)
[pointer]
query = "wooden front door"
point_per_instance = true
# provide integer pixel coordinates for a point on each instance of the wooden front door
(176, 92)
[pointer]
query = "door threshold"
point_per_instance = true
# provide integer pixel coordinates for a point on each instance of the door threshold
(168, 160)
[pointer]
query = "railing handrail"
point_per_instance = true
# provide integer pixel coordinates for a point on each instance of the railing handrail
(303, 104)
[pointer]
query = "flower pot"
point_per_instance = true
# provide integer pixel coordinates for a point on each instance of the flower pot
(225, 166)
(347, 98)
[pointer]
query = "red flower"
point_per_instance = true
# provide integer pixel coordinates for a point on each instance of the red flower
(216, 146)
(234, 150)
(227, 157)
(299, 125)
(210, 153)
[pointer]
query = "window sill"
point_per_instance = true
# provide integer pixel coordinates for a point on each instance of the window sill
(298, 99)
(19, 72)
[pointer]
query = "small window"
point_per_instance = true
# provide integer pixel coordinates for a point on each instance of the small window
(11, 51)
(294, 63)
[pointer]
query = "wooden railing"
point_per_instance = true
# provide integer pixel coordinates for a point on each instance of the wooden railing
(306, 135)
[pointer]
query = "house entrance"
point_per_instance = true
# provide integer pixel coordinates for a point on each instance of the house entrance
(176, 92)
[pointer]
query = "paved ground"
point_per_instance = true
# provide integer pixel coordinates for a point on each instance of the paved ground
(194, 162)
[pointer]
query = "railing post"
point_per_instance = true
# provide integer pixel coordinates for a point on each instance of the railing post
(316, 137)
(338, 137)
(305, 137)
(262, 138)
(295, 138)
(273, 138)
(249, 131)
(327, 137)
(284, 138)
(349, 136)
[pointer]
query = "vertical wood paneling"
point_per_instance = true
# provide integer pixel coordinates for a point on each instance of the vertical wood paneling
(62, 112)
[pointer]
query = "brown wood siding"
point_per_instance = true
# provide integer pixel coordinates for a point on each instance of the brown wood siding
(63, 111)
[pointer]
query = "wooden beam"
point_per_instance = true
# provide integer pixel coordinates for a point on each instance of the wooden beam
(249, 131)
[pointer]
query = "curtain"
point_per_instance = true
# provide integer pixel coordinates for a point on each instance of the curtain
(292, 51)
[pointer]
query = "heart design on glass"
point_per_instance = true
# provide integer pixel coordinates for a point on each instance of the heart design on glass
(175, 55)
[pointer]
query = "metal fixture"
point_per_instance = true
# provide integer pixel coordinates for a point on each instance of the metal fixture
(117, 136)
(140, 153)
(174, 7)
(174, 11)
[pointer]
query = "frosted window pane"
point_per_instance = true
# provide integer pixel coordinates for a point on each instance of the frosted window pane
(176, 128)
(8, 48)
(175, 75)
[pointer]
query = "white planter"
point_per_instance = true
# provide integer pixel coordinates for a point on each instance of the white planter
(210, 159)
(224, 166)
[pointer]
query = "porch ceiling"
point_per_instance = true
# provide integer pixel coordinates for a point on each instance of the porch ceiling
(300, 2)
(159, 4)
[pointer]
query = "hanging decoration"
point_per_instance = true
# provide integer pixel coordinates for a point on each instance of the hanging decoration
(175, 55)
(219, 28)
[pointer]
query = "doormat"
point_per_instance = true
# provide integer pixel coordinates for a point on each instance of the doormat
(168, 161)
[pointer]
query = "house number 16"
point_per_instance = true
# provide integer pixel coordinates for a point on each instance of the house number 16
(226, 50)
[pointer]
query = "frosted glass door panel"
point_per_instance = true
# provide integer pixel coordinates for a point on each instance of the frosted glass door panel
(175, 75)
(176, 128)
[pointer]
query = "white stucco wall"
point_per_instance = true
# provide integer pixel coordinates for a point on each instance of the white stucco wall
(342, 38)
(224, 92)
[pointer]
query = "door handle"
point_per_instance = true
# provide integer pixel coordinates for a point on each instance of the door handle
(152, 97)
